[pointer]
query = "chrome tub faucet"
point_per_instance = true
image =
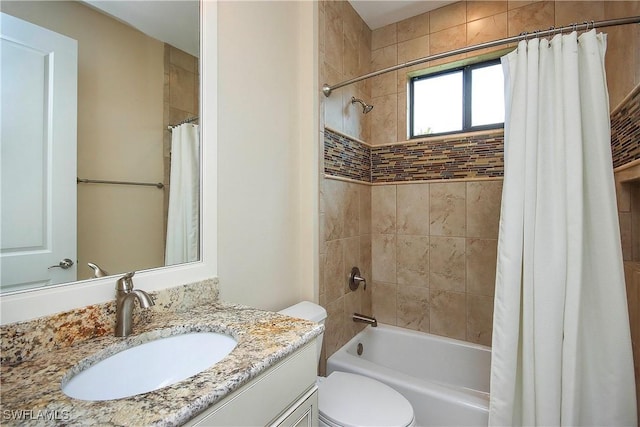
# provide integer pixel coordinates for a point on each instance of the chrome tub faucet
(125, 296)
(362, 318)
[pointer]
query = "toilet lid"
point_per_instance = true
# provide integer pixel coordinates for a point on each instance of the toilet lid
(352, 400)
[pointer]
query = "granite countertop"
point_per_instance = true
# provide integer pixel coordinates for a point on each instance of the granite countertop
(264, 338)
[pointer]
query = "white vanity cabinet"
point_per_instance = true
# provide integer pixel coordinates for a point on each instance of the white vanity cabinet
(284, 395)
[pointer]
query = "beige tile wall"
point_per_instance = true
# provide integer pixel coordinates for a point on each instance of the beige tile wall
(345, 52)
(628, 196)
(467, 23)
(430, 256)
(434, 254)
(632, 278)
(345, 237)
(345, 208)
(629, 216)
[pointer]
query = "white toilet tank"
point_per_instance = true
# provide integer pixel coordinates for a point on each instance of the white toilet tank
(375, 402)
(308, 311)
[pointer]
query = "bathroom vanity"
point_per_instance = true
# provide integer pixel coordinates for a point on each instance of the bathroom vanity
(285, 395)
(267, 379)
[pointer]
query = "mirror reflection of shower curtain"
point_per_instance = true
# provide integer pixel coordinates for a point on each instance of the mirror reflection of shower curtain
(183, 234)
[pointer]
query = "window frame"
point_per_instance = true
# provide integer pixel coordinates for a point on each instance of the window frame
(466, 99)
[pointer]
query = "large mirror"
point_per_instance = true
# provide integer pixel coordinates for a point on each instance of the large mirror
(109, 128)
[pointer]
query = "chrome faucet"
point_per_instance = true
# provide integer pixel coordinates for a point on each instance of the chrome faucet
(357, 317)
(125, 295)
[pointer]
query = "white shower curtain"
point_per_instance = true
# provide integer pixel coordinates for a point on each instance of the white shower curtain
(561, 342)
(183, 222)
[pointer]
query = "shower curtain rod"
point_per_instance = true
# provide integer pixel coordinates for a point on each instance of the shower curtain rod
(327, 89)
(189, 120)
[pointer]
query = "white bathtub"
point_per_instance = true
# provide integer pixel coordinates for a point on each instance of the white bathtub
(446, 380)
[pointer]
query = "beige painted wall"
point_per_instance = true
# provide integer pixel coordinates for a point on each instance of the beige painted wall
(120, 108)
(267, 156)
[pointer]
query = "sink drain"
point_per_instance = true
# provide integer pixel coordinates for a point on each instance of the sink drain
(360, 349)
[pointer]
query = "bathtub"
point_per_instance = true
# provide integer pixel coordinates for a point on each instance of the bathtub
(446, 380)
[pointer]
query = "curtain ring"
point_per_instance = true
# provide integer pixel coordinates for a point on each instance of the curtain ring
(552, 31)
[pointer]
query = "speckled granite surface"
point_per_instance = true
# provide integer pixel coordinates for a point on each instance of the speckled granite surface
(22, 341)
(30, 392)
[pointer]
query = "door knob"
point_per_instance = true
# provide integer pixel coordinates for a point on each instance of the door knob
(64, 264)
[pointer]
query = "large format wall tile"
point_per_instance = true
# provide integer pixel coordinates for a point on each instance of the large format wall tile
(482, 9)
(479, 319)
(447, 263)
(413, 260)
(481, 266)
(383, 304)
(447, 209)
(447, 314)
(383, 215)
(413, 308)
(483, 208)
(383, 254)
(413, 209)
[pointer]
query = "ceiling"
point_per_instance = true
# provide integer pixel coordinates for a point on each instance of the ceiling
(378, 13)
(175, 22)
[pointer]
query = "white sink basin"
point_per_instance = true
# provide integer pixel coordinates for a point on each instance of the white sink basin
(150, 366)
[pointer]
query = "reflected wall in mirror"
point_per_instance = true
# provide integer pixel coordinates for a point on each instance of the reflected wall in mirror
(130, 88)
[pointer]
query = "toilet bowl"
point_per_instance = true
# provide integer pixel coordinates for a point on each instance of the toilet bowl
(350, 400)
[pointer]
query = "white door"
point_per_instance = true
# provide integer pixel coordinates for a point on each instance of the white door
(38, 87)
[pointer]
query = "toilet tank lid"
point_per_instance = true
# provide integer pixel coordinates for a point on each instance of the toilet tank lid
(306, 310)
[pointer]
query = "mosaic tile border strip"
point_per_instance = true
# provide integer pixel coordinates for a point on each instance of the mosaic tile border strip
(478, 156)
(346, 158)
(625, 131)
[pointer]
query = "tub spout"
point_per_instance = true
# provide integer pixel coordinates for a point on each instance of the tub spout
(357, 317)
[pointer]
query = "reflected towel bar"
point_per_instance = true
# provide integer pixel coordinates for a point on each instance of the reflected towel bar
(99, 181)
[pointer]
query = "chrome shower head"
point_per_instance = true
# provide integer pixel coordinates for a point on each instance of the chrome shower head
(365, 107)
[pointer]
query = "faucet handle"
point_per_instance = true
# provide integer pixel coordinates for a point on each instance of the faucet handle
(97, 271)
(125, 283)
(355, 279)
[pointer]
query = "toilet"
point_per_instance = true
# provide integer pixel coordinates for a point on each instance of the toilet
(351, 400)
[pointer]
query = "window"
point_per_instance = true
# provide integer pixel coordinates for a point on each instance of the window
(457, 100)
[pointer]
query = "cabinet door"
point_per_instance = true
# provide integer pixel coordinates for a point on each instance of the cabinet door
(267, 397)
(303, 414)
